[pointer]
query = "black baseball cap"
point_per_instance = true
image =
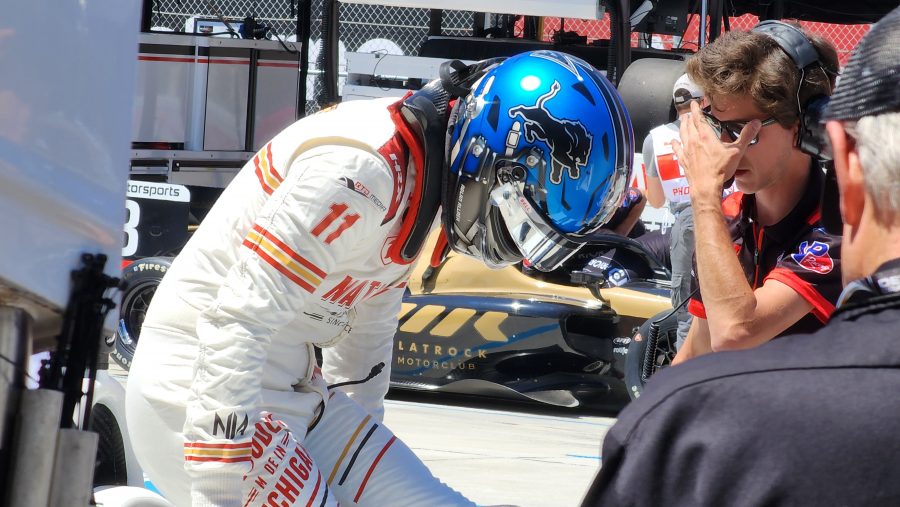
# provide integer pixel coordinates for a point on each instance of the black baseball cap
(870, 84)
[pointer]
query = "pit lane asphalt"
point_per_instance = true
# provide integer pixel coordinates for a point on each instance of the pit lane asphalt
(499, 453)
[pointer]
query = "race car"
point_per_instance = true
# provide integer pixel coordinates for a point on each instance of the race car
(559, 338)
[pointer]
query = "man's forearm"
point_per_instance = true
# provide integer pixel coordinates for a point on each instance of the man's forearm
(727, 297)
(695, 344)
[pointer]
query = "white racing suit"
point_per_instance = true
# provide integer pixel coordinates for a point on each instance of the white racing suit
(225, 386)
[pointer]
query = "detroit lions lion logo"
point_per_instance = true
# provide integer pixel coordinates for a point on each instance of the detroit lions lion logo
(569, 141)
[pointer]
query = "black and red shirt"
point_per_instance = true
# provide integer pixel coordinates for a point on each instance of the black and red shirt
(795, 251)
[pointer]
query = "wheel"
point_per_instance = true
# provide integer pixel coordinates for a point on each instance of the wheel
(646, 91)
(637, 369)
(142, 277)
(110, 468)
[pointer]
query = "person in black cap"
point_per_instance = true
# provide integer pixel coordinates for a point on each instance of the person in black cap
(807, 419)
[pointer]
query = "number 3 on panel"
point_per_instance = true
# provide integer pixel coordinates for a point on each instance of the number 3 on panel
(337, 211)
(131, 232)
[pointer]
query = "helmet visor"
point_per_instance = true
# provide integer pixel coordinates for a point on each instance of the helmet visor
(540, 245)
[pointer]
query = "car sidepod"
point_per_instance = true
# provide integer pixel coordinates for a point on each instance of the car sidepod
(559, 353)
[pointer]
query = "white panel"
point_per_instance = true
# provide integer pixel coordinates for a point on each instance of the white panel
(584, 9)
(161, 101)
(276, 99)
(226, 102)
(65, 128)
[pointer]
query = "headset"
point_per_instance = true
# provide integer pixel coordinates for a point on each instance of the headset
(811, 135)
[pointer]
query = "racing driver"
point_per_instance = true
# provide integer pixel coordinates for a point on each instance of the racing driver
(311, 246)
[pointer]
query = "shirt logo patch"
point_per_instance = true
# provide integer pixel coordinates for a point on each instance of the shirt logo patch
(814, 257)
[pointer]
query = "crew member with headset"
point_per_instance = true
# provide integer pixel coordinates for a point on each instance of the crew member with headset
(806, 419)
(761, 86)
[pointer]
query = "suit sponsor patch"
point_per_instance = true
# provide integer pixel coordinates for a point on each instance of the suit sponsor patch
(350, 291)
(364, 191)
(282, 472)
(230, 425)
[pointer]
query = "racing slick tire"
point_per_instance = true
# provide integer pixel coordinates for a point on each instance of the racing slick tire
(110, 468)
(646, 91)
(142, 277)
(637, 358)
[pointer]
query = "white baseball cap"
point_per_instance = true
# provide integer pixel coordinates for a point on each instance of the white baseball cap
(685, 90)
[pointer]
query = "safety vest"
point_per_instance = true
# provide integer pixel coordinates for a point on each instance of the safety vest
(671, 173)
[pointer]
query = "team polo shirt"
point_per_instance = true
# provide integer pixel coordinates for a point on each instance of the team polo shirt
(795, 251)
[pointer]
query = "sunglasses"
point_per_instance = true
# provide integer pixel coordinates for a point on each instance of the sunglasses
(732, 128)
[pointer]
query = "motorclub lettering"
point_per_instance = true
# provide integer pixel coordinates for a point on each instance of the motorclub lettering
(445, 358)
(434, 363)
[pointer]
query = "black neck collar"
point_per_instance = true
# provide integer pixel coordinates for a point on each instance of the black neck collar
(881, 289)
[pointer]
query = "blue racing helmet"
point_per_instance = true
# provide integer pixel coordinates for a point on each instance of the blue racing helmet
(539, 156)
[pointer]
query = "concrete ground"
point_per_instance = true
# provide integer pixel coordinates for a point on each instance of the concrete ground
(529, 457)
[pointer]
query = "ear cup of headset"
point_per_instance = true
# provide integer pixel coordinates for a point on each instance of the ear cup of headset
(795, 44)
(812, 136)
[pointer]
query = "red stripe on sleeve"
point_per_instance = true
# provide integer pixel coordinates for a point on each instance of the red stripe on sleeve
(206, 445)
(822, 308)
(272, 170)
(294, 255)
(281, 269)
(372, 468)
(696, 308)
(259, 175)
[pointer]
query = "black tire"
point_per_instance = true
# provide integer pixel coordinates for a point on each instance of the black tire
(636, 358)
(646, 91)
(110, 467)
(142, 277)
